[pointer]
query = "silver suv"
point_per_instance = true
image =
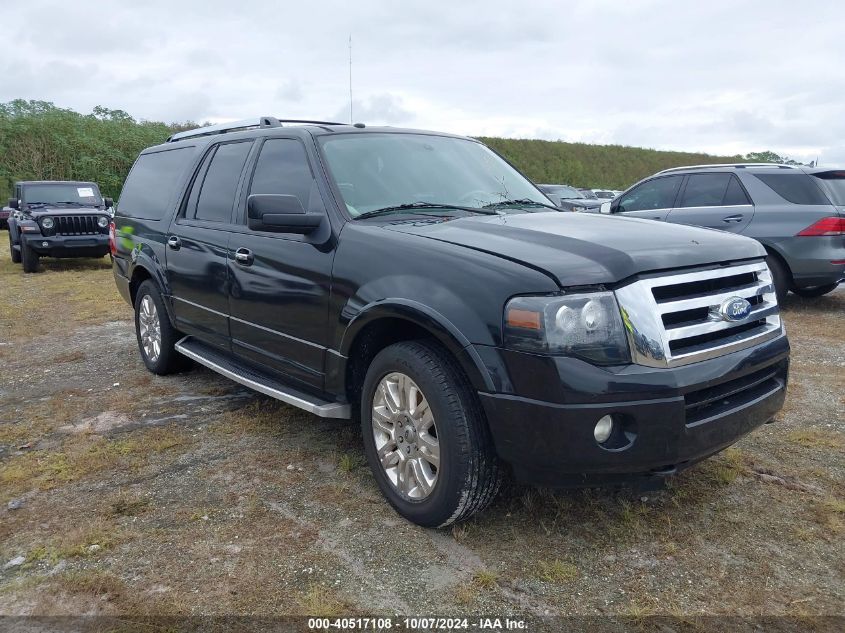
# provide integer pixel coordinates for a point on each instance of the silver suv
(797, 213)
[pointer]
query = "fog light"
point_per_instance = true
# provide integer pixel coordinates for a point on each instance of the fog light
(604, 427)
(45, 244)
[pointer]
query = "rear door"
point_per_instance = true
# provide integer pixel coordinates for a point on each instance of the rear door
(198, 241)
(280, 282)
(713, 200)
(650, 200)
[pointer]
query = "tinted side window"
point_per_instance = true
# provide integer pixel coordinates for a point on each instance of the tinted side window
(282, 168)
(151, 185)
(705, 190)
(796, 188)
(655, 194)
(735, 194)
(221, 182)
(191, 205)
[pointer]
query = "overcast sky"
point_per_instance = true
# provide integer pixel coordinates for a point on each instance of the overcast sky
(715, 76)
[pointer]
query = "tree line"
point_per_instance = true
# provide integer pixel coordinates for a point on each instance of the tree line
(41, 141)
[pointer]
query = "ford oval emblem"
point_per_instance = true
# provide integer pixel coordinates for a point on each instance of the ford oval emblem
(734, 309)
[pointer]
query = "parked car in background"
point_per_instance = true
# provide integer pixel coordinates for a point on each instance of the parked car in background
(797, 213)
(604, 194)
(355, 273)
(57, 219)
(588, 194)
(5, 213)
(569, 198)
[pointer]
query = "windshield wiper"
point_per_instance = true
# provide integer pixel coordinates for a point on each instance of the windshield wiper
(520, 202)
(415, 206)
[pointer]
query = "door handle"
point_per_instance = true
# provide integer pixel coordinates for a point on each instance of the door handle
(733, 218)
(244, 257)
(174, 242)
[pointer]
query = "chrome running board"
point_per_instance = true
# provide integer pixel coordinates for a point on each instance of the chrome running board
(227, 366)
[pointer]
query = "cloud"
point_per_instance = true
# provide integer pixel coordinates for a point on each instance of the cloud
(379, 109)
(721, 76)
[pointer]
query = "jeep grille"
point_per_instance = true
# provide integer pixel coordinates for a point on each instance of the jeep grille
(675, 319)
(76, 224)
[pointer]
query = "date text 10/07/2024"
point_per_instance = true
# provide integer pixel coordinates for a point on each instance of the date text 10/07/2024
(416, 624)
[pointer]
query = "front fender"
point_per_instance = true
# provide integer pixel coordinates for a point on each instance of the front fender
(438, 325)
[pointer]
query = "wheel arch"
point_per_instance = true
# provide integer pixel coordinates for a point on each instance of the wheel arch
(140, 272)
(387, 322)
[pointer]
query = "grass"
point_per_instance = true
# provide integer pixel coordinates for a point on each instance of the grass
(81, 456)
(557, 572)
(485, 579)
(83, 289)
(320, 601)
(81, 541)
(815, 438)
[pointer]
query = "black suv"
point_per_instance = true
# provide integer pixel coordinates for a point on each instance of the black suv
(53, 218)
(419, 284)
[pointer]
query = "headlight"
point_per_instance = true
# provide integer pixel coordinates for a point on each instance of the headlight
(577, 209)
(47, 223)
(102, 221)
(587, 325)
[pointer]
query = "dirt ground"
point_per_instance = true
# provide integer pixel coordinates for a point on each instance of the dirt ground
(126, 493)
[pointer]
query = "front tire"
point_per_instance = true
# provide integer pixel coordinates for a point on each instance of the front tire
(156, 336)
(15, 255)
(425, 436)
(29, 258)
(816, 291)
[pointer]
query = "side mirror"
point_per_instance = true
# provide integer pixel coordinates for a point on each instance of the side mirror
(108, 202)
(605, 207)
(14, 203)
(280, 213)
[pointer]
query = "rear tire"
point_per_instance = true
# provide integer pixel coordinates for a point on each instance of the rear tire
(29, 258)
(780, 276)
(816, 291)
(155, 334)
(15, 255)
(467, 474)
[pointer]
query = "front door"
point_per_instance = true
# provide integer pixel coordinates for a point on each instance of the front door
(715, 201)
(651, 200)
(197, 245)
(280, 282)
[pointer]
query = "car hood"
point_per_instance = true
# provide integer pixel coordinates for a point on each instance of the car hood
(37, 213)
(578, 249)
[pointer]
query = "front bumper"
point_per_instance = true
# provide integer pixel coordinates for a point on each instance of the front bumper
(68, 245)
(672, 417)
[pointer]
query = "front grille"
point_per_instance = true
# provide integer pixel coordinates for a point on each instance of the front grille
(675, 319)
(76, 224)
(705, 404)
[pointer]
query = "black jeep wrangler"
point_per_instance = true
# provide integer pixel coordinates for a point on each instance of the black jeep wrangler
(416, 282)
(53, 218)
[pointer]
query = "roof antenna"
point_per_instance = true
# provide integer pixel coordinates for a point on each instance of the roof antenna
(350, 78)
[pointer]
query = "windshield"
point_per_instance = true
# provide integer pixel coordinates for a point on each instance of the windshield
(378, 171)
(833, 182)
(73, 193)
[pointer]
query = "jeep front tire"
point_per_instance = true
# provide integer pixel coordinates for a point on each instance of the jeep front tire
(425, 435)
(29, 258)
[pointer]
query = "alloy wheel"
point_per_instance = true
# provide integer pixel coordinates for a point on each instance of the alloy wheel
(405, 436)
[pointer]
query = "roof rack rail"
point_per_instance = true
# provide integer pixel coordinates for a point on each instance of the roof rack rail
(246, 124)
(737, 165)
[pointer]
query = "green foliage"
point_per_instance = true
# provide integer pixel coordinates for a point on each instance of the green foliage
(39, 141)
(593, 166)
